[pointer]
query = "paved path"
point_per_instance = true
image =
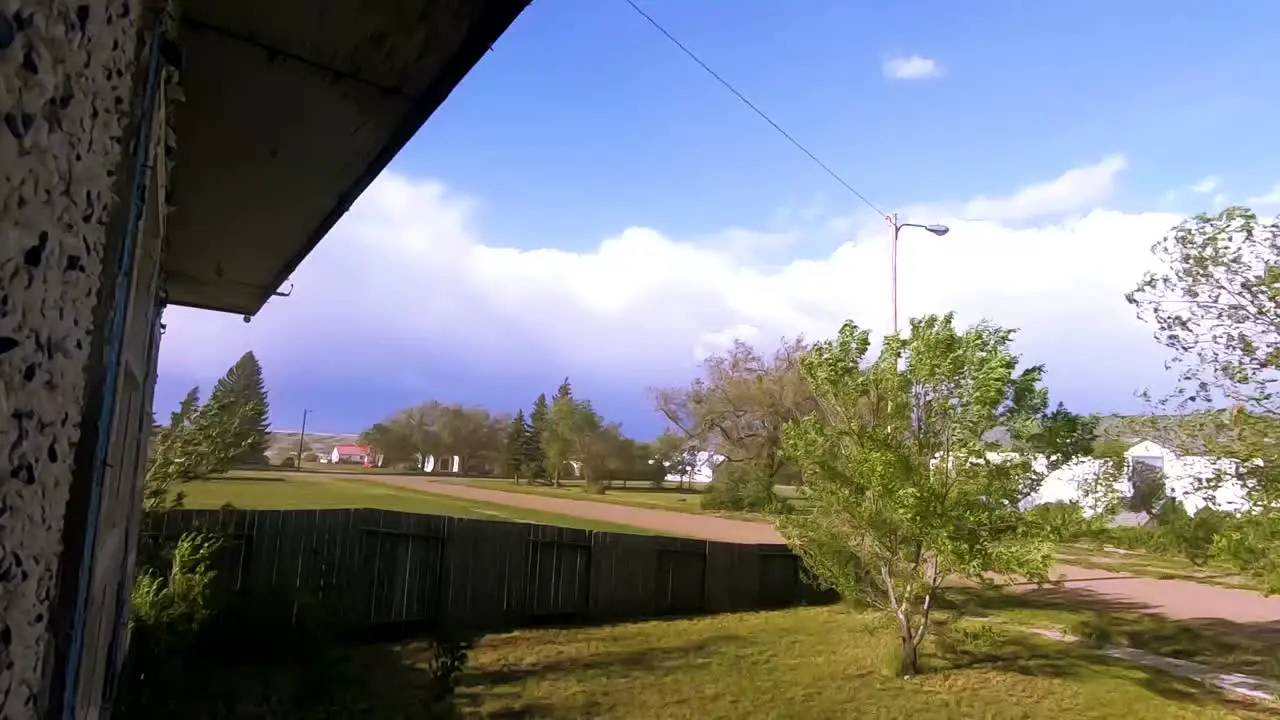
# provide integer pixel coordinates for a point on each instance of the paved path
(1177, 599)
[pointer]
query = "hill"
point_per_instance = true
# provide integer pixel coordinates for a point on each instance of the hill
(282, 443)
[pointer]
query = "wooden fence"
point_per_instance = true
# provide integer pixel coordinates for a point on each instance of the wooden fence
(374, 568)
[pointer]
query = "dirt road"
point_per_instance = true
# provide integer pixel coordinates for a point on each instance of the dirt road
(1176, 599)
(703, 527)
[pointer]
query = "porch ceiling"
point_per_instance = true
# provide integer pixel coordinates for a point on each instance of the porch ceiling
(292, 108)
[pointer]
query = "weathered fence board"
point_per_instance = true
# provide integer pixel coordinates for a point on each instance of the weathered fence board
(379, 568)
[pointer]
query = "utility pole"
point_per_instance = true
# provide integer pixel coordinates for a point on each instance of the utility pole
(302, 437)
(894, 229)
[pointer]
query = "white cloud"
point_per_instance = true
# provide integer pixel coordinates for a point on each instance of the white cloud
(914, 67)
(1207, 185)
(1078, 189)
(406, 279)
(1269, 199)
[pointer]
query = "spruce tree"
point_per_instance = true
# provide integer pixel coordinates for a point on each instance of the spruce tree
(537, 424)
(517, 443)
(244, 390)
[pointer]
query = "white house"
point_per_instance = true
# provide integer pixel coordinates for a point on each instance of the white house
(349, 455)
(1183, 477)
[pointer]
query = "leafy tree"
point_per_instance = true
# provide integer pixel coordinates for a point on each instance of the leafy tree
(390, 442)
(905, 491)
(557, 435)
(204, 443)
(738, 409)
(243, 387)
(1216, 305)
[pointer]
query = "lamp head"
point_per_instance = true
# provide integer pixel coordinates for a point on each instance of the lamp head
(938, 230)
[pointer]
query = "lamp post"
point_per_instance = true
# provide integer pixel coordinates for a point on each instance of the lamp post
(895, 228)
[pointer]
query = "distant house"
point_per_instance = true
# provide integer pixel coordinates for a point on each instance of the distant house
(349, 455)
(1183, 476)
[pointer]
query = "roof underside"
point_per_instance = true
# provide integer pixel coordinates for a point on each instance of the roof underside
(292, 108)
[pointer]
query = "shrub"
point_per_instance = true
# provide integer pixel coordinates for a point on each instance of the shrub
(310, 457)
(1061, 521)
(197, 653)
(741, 487)
(288, 462)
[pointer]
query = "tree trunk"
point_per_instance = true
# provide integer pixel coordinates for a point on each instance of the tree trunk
(910, 655)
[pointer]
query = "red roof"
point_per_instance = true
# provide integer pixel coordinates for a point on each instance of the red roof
(352, 450)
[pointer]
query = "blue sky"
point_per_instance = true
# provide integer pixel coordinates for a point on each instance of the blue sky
(1058, 139)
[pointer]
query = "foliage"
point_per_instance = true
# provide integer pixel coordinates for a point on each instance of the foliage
(522, 457)
(310, 457)
(1216, 305)
(538, 418)
(1063, 522)
(738, 409)
(199, 653)
(1148, 494)
(742, 487)
(200, 441)
(904, 490)
(243, 388)
(435, 428)
(1110, 449)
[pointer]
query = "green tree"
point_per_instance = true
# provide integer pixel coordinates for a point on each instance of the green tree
(738, 409)
(905, 491)
(538, 418)
(516, 455)
(1216, 305)
(557, 434)
(243, 387)
(1110, 448)
(390, 442)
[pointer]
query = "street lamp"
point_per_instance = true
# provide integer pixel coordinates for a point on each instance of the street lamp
(896, 227)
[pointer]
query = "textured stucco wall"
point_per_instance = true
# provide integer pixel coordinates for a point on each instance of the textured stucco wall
(66, 79)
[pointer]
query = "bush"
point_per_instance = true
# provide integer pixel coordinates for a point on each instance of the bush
(310, 457)
(1062, 521)
(288, 462)
(741, 487)
(196, 653)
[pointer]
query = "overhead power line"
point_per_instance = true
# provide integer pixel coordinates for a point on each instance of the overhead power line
(729, 86)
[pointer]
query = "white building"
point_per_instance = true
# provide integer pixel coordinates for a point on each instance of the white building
(701, 469)
(1184, 476)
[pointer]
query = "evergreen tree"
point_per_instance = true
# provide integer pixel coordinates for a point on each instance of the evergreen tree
(190, 403)
(538, 419)
(564, 392)
(515, 442)
(243, 389)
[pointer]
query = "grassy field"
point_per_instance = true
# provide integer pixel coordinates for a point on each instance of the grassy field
(285, 490)
(1164, 567)
(831, 662)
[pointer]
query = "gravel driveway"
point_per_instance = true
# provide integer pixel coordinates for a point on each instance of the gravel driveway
(1177, 599)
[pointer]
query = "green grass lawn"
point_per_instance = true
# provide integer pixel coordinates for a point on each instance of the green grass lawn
(285, 490)
(1164, 567)
(812, 663)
